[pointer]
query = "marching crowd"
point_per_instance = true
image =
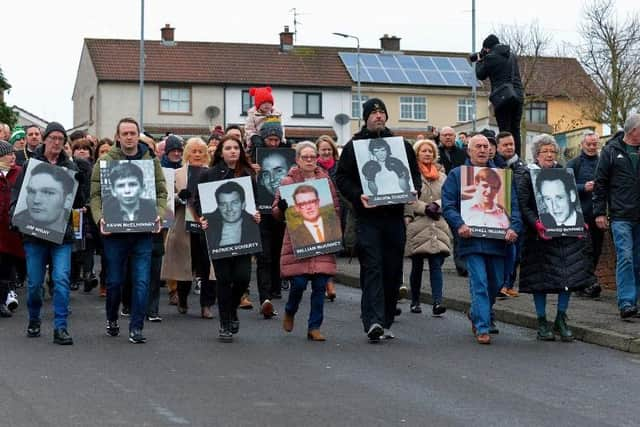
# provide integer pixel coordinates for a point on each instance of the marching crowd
(429, 228)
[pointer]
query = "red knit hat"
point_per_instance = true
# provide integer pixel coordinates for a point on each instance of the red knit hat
(261, 95)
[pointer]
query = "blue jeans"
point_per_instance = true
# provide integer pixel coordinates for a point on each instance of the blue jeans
(626, 238)
(540, 300)
(318, 287)
(435, 276)
(117, 249)
(38, 255)
(485, 280)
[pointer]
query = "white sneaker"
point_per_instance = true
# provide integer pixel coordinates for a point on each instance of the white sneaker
(388, 335)
(375, 332)
(197, 285)
(12, 301)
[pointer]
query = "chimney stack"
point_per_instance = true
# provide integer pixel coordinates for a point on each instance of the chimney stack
(286, 39)
(390, 44)
(167, 35)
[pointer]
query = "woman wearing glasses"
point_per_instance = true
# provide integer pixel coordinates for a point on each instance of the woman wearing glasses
(316, 269)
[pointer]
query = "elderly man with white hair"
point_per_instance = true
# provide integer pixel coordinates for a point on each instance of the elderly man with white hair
(617, 192)
(484, 257)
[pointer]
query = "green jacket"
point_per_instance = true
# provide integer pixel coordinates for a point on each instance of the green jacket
(116, 154)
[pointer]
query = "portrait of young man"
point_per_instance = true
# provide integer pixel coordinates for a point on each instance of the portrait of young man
(486, 206)
(316, 224)
(556, 189)
(45, 200)
(127, 209)
(274, 165)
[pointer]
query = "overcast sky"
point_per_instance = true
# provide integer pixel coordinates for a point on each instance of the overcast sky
(41, 41)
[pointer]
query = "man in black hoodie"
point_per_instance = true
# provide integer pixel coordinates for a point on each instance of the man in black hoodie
(380, 232)
(497, 63)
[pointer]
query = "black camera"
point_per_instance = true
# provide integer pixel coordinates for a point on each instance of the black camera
(474, 57)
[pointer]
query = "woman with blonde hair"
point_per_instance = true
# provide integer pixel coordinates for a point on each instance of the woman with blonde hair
(428, 235)
(185, 251)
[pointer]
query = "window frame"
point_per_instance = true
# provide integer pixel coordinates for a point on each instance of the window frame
(244, 112)
(175, 113)
(306, 114)
(412, 104)
(536, 107)
(92, 102)
(467, 104)
(354, 103)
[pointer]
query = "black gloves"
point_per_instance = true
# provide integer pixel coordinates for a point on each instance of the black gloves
(184, 194)
(432, 211)
(282, 205)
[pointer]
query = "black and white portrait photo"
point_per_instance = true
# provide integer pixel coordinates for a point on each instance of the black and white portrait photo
(170, 211)
(229, 208)
(384, 170)
(312, 221)
(128, 195)
(45, 201)
(274, 165)
(558, 202)
(486, 200)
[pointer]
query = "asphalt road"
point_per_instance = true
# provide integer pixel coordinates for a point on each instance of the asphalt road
(432, 374)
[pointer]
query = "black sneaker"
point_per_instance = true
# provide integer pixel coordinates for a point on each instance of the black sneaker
(113, 330)
(493, 329)
(90, 283)
(125, 311)
(33, 329)
(74, 286)
(154, 318)
(415, 308)
(628, 311)
(136, 337)
(61, 336)
(224, 333)
(375, 332)
(438, 310)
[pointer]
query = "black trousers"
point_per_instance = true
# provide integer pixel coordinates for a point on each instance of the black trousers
(597, 240)
(268, 268)
(380, 249)
(201, 265)
(232, 279)
(508, 118)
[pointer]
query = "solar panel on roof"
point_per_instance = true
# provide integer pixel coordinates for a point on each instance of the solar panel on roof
(410, 69)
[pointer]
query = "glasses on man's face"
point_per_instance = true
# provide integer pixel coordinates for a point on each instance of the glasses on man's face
(309, 158)
(55, 138)
(307, 203)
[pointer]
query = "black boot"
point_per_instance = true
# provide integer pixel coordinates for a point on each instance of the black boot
(560, 326)
(234, 323)
(61, 336)
(544, 330)
(592, 291)
(4, 311)
(33, 329)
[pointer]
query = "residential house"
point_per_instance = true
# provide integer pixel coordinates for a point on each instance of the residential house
(26, 118)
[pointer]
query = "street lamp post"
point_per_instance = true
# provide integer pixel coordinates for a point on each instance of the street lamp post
(141, 66)
(357, 72)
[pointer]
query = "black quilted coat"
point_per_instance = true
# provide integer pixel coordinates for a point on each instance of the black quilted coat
(550, 266)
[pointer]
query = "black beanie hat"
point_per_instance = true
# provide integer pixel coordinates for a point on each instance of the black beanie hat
(173, 142)
(490, 41)
(373, 104)
(54, 127)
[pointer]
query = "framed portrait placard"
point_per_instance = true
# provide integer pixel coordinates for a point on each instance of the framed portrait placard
(45, 201)
(170, 211)
(274, 165)
(128, 195)
(229, 206)
(485, 200)
(384, 170)
(557, 201)
(312, 221)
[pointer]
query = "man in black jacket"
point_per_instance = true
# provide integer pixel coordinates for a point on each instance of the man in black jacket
(380, 230)
(584, 170)
(617, 190)
(497, 63)
(33, 137)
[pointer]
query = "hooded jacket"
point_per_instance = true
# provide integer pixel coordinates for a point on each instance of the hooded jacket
(501, 66)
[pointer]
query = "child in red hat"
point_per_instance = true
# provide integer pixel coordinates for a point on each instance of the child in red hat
(257, 114)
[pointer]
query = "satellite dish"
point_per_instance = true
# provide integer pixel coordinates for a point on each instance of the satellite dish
(212, 111)
(342, 119)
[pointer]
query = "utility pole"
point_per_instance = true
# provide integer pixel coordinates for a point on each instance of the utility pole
(141, 119)
(474, 90)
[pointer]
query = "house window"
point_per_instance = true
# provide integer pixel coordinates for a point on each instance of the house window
(356, 105)
(536, 112)
(91, 107)
(465, 109)
(175, 100)
(247, 102)
(307, 104)
(413, 108)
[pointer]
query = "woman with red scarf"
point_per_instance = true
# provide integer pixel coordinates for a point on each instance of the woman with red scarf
(428, 235)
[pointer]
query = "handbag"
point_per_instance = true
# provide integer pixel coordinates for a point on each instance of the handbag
(505, 93)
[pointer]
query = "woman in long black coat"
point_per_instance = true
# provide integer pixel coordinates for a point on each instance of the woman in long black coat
(557, 265)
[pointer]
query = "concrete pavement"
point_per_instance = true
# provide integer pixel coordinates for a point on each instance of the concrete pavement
(594, 321)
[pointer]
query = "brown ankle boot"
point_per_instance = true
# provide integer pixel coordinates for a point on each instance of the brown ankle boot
(287, 322)
(331, 290)
(315, 335)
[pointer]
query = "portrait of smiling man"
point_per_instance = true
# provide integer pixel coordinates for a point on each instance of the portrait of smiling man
(318, 225)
